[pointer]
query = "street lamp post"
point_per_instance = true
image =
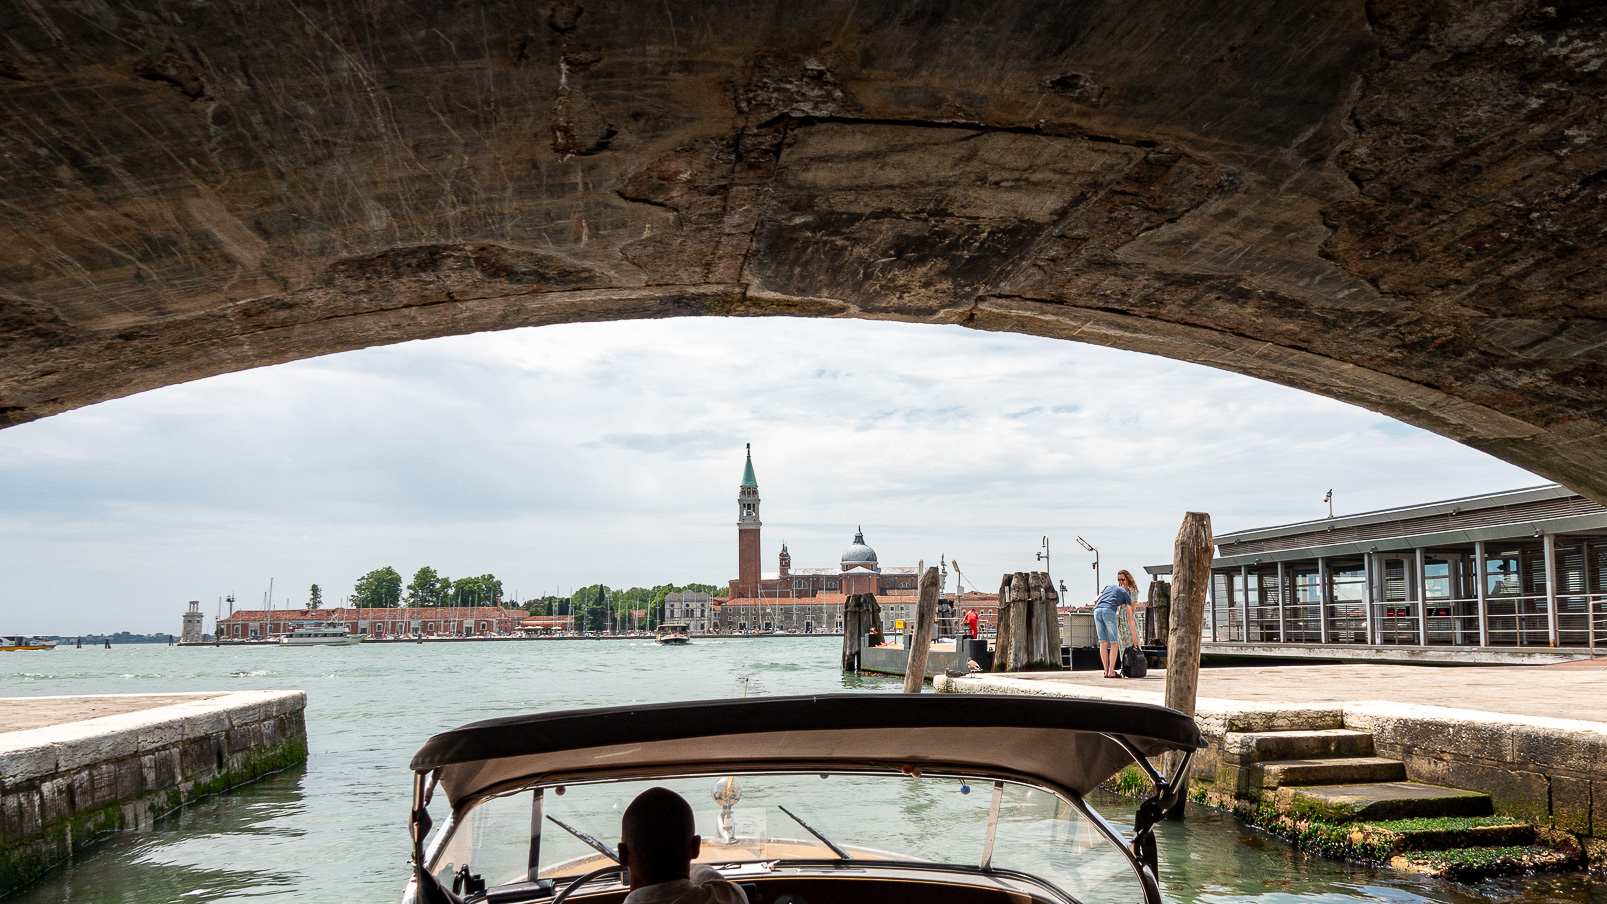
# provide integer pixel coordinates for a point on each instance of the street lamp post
(1091, 548)
(1044, 556)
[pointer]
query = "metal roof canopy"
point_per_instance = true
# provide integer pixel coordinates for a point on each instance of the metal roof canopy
(1071, 744)
(1404, 513)
(1514, 530)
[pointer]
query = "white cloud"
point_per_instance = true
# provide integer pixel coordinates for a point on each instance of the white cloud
(611, 452)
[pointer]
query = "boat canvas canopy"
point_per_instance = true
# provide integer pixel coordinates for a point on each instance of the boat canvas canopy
(1068, 743)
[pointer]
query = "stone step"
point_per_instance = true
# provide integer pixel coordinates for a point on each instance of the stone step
(1322, 743)
(1335, 771)
(1380, 800)
(1517, 834)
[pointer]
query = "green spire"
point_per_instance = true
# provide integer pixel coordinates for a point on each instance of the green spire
(748, 480)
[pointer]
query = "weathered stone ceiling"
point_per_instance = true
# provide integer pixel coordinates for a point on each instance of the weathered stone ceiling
(1399, 204)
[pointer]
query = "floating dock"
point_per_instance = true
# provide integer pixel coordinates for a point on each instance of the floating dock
(73, 769)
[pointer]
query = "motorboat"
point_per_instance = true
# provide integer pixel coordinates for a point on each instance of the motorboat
(831, 799)
(18, 642)
(328, 634)
(672, 635)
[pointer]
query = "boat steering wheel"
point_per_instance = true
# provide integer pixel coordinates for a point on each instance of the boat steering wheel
(569, 889)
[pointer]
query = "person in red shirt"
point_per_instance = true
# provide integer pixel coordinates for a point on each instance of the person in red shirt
(970, 623)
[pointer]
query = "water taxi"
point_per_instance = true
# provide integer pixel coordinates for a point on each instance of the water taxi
(329, 634)
(16, 642)
(829, 799)
(672, 634)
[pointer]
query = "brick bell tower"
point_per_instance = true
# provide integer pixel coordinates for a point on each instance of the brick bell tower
(747, 582)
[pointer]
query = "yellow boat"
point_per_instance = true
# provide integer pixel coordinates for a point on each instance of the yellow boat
(24, 642)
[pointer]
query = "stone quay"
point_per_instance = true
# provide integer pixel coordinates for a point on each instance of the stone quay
(1532, 740)
(73, 769)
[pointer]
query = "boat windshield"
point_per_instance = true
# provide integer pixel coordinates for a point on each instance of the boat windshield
(891, 820)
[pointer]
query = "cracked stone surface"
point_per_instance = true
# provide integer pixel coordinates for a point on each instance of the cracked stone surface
(1400, 205)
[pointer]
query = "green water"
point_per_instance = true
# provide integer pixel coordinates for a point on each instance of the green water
(335, 830)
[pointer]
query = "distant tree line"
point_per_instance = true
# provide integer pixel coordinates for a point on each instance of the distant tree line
(382, 589)
(596, 607)
(602, 608)
(121, 637)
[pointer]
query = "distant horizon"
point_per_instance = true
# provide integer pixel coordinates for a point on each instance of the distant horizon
(552, 456)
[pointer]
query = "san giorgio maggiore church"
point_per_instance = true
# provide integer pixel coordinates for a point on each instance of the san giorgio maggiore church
(798, 600)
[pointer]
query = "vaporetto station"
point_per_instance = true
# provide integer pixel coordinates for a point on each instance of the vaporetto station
(1515, 572)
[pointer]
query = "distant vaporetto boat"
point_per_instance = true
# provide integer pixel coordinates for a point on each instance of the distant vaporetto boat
(319, 635)
(673, 635)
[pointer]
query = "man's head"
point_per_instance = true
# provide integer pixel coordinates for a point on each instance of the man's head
(657, 838)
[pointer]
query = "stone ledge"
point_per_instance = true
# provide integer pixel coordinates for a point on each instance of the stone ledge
(62, 785)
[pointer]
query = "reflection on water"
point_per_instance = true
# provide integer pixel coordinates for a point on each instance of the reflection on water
(336, 830)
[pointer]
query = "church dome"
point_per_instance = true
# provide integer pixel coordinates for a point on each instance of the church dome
(859, 554)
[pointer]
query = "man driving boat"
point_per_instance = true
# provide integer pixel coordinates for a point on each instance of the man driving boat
(658, 842)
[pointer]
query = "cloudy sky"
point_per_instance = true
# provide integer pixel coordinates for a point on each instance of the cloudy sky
(570, 455)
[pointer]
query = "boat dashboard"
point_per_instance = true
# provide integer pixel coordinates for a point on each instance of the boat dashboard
(834, 884)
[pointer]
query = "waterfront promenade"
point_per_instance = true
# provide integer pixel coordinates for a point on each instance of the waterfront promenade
(1572, 691)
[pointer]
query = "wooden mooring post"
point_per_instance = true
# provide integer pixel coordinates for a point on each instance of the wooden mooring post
(921, 633)
(1191, 577)
(1001, 628)
(862, 618)
(1028, 635)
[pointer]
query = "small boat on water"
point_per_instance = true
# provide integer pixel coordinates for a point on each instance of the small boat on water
(329, 634)
(839, 798)
(672, 635)
(17, 642)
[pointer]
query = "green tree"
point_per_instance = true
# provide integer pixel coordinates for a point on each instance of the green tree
(484, 590)
(379, 589)
(315, 597)
(428, 588)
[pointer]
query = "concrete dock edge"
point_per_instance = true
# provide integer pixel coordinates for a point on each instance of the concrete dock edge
(65, 785)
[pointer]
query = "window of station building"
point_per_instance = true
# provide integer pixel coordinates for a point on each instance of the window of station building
(1347, 582)
(831, 585)
(1308, 587)
(799, 584)
(1503, 573)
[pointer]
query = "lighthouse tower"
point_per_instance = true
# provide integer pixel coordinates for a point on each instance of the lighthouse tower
(194, 627)
(746, 585)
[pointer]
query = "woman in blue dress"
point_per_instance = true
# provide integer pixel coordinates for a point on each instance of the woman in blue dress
(1107, 619)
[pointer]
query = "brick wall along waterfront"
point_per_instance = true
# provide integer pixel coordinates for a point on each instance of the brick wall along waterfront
(80, 774)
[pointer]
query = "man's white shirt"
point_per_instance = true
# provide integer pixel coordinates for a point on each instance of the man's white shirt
(705, 887)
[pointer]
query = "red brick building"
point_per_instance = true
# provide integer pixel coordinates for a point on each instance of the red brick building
(248, 624)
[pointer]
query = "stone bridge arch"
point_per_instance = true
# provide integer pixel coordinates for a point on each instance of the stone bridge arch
(1397, 205)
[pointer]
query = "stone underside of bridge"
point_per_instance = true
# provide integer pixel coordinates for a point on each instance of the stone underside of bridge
(1400, 205)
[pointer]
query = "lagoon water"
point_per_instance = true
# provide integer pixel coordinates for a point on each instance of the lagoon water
(335, 830)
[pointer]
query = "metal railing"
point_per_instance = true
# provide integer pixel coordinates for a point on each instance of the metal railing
(1509, 621)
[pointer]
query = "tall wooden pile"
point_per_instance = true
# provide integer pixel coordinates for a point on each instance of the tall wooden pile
(921, 633)
(1028, 638)
(1191, 578)
(862, 619)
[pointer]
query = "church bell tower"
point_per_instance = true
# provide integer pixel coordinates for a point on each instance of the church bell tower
(747, 583)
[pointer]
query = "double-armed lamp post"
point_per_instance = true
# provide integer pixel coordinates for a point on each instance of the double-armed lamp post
(1091, 548)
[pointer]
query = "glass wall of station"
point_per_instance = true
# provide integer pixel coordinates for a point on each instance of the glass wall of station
(1496, 593)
